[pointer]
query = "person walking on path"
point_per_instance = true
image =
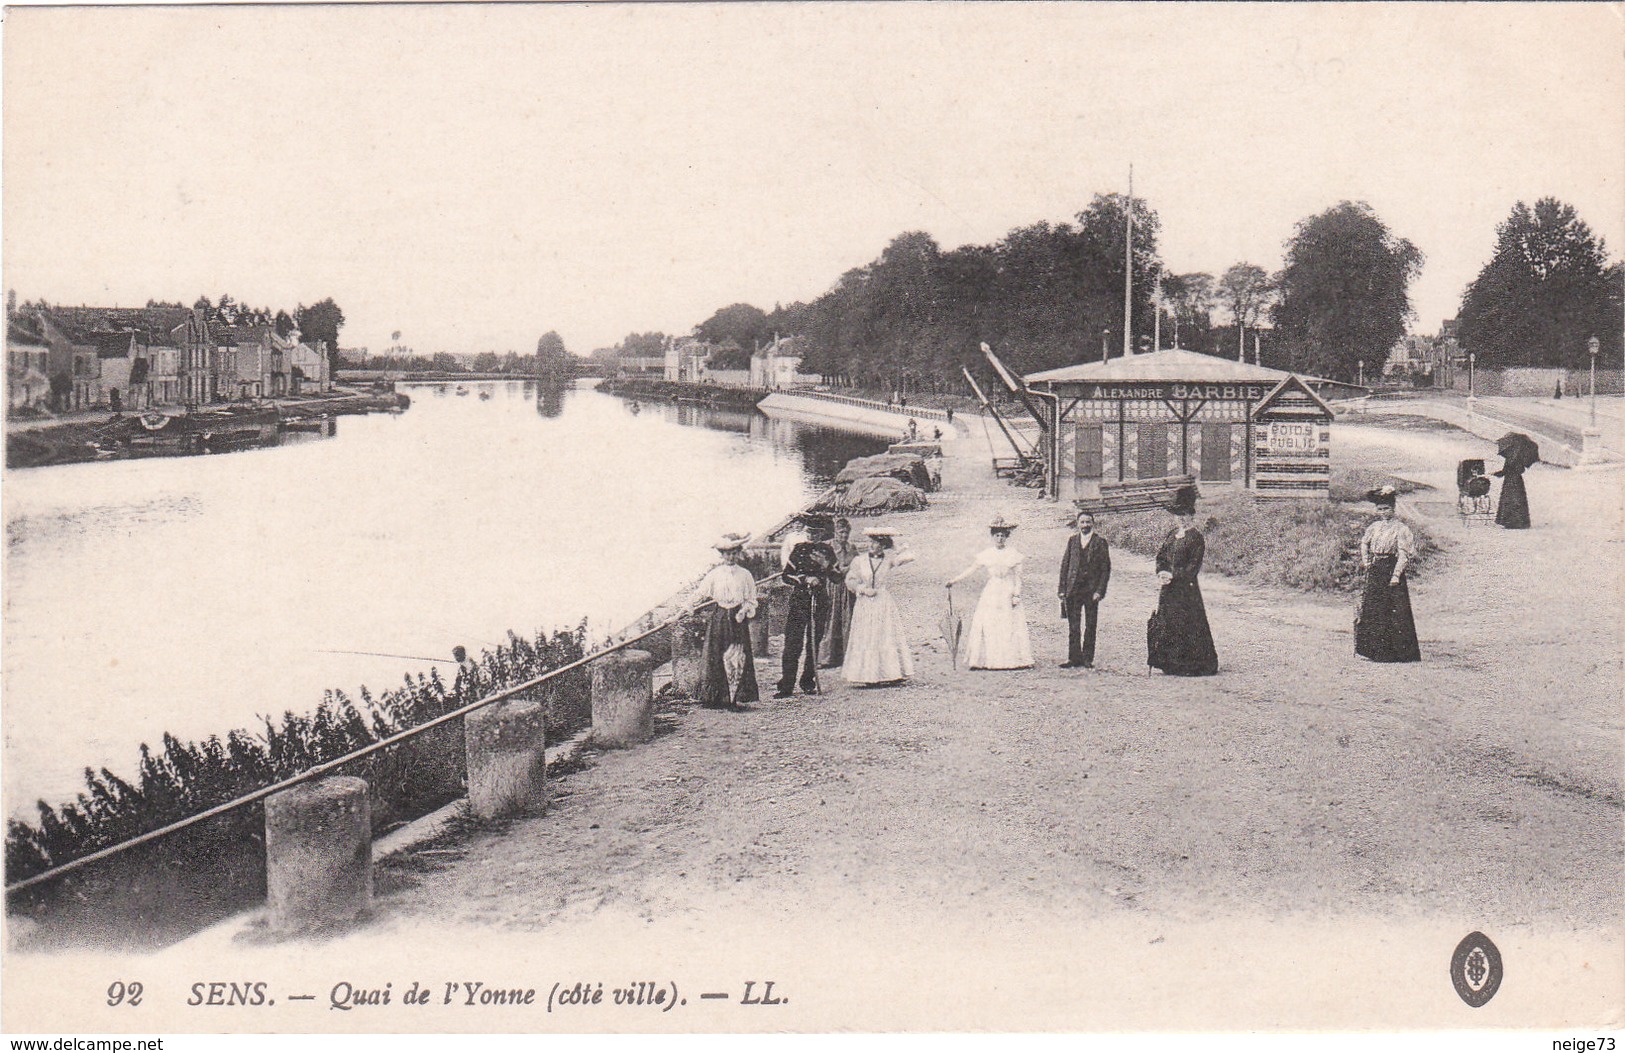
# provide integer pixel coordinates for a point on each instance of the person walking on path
(833, 651)
(729, 677)
(1086, 567)
(876, 652)
(1384, 628)
(998, 637)
(1178, 640)
(807, 572)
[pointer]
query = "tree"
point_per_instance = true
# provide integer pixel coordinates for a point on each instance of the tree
(1544, 293)
(1189, 302)
(1344, 292)
(552, 360)
(284, 323)
(745, 325)
(1245, 289)
(321, 322)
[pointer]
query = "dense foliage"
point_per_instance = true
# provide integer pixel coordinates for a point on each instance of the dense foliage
(1344, 292)
(322, 320)
(182, 779)
(1044, 296)
(1544, 294)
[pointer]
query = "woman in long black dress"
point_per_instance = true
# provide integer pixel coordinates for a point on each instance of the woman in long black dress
(1384, 630)
(1512, 511)
(1178, 640)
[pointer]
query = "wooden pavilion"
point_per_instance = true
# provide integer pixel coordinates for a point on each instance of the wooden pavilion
(1172, 413)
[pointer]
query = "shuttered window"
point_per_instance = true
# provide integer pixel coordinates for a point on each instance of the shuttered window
(1088, 462)
(1152, 455)
(1216, 452)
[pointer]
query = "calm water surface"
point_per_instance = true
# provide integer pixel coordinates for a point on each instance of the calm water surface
(191, 594)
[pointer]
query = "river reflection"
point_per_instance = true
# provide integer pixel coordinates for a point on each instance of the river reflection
(191, 594)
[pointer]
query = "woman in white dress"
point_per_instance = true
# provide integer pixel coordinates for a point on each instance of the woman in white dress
(876, 652)
(998, 630)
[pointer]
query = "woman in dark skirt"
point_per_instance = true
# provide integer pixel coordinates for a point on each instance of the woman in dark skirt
(832, 651)
(1384, 630)
(729, 679)
(1512, 511)
(1178, 640)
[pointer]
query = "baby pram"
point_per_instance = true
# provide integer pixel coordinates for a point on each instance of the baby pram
(1473, 499)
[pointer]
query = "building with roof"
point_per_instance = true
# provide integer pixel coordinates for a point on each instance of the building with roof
(778, 365)
(309, 371)
(1174, 413)
(28, 385)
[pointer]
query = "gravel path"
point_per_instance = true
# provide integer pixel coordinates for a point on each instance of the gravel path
(1103, 818)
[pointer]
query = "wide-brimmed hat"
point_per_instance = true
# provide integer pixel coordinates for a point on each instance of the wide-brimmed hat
(1183, 502)
(1000, 523)
(730, 542)
(885, 532)
(1383, 495)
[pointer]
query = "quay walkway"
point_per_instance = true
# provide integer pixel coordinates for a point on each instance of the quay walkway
(1102, 849)
(1066, 849)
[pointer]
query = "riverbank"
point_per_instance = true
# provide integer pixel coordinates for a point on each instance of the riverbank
(710, 395)
(1074, 846)
(98, 435)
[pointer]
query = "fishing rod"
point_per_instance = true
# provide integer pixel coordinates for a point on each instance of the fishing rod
(381, 654)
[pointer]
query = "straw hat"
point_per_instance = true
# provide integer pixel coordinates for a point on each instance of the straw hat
(886, 532)
(1383, 495)
(730, 542)
(999, 523)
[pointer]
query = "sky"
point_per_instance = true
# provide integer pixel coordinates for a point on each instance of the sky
(474, 176)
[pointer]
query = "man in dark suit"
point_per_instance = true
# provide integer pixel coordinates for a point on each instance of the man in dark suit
(1085, 569)
(808, 568)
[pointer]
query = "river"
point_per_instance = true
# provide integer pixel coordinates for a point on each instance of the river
(192, 594)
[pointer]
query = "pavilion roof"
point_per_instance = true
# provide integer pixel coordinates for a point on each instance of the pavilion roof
(1169, 364)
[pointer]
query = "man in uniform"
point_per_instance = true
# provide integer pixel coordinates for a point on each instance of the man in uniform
(808, 566)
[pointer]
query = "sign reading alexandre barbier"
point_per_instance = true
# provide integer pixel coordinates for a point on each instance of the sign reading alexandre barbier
(1177, 390)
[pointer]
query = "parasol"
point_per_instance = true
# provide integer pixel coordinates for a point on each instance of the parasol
(1519, 450)
(953, 628)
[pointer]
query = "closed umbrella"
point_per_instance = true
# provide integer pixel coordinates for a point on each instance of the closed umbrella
(953, 627)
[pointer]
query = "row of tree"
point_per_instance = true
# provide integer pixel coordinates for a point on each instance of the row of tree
(1049, 295)
(407, 360)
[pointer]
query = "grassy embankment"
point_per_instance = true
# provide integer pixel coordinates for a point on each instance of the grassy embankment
(1310, 546)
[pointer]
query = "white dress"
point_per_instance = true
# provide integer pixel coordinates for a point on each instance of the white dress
(998, 630)
(876, 651)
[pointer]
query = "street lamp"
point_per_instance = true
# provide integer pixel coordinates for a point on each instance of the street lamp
(1593, 345)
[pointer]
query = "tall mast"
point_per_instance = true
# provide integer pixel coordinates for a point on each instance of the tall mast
(1128, 270)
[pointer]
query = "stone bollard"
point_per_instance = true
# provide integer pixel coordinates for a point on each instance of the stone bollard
(688, 655)
(623, 699)
(318, 854)
(507, 758)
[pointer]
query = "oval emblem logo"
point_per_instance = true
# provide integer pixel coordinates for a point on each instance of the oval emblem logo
(1475, 969)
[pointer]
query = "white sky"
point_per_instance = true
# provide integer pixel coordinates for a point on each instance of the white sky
(474, 176)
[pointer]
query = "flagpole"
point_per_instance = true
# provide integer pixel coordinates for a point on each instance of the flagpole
(1128, 270)
(1156, 325)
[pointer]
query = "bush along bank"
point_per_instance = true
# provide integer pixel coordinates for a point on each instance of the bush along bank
(674, 391)
(1310, 546)
(170, 887)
